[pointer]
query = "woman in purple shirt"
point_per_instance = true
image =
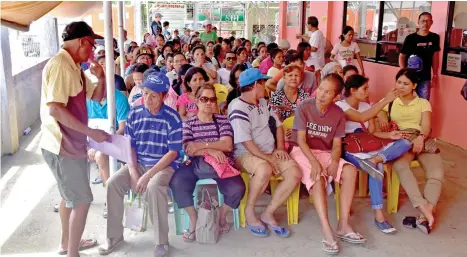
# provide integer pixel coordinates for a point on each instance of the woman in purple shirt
(206, 133)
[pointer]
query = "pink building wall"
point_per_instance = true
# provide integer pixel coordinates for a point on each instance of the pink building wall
(449, 119)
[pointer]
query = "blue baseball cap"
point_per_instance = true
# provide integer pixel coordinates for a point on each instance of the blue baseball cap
(250, 76)
(157, 82)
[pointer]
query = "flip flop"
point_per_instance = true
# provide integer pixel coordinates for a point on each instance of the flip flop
(259, 231)
(189, 236)
(423, 226)
(333, 245)
(224, 229)
(279, 231)
(83, 245)
(385, 227)
(349, 239)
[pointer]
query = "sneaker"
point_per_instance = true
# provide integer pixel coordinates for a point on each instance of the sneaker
(110, 246)
(56, 208)
(161, 251)
(385, 227)
(371, 168)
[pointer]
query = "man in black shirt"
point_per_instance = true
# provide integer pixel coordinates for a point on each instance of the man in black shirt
(425, 45)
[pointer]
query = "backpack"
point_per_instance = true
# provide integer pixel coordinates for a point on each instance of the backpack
(415, 63)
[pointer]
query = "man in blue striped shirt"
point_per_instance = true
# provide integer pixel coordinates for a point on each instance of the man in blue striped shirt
(156, 138)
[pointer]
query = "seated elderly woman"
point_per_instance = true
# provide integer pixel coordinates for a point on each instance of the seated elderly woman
(206, 133)
(413, 115)
(332, 67)
(284, 101)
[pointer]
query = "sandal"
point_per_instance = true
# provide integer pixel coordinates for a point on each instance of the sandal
(189, 236)
(350, 238)
(330, 248)
(83, 245)
(224, 228)
(423, 226)
(279, 231)
(259, 231)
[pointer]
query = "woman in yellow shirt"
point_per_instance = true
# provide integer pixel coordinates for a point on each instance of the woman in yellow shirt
(411, 112)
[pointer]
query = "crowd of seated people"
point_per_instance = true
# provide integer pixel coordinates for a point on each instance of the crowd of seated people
(168, 103)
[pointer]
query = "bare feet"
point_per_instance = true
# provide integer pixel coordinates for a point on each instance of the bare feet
(427, 211)
(269, 218)
(328, 234)
(251, 218)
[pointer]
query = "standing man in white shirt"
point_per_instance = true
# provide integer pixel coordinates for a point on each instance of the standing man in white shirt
(317, 42)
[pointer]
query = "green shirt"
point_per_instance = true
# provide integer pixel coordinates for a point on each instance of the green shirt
(205, 37)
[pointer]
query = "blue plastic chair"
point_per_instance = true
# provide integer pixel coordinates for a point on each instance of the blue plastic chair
(180, 228)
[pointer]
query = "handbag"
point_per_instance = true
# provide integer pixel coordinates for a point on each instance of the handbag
(223, 170)
(364, 142)
(430, 145)
(207, 225)
(136, 213)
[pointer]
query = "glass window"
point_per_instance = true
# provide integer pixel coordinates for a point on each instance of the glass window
(380, 34)
(455, 53)
(363, 17)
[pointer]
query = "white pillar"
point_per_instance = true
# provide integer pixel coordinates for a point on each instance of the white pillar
(246, 35)
(9, 122)
(195, 16)
(109, 75)
(138, 21)
(50, 35)
(148, 16)
(121, 18)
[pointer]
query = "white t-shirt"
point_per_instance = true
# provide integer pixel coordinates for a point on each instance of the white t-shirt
(172, 75)
(351, 126)
(344, 53)
(318, 41)
(223, 76)
(273, 71)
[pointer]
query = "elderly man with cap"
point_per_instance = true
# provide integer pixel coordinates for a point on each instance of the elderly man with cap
(155, 131)
(259, 150)
(156, 25)
(63, 113)
(208, 34)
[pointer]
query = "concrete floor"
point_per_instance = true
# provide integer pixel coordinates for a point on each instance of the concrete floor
(29, 227)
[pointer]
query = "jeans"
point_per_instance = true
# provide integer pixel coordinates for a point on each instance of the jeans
(396, 150)
(376, 186)
(423, 89)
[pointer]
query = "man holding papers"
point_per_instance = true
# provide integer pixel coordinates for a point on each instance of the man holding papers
(156, 136)
(64, 129)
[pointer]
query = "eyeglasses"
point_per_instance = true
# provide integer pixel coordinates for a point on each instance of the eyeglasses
(231, 58)
(91, 43)
(205, 99)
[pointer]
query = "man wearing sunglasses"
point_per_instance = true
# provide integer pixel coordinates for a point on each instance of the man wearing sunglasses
(260, 152)
(65, 129)
(223, 74)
